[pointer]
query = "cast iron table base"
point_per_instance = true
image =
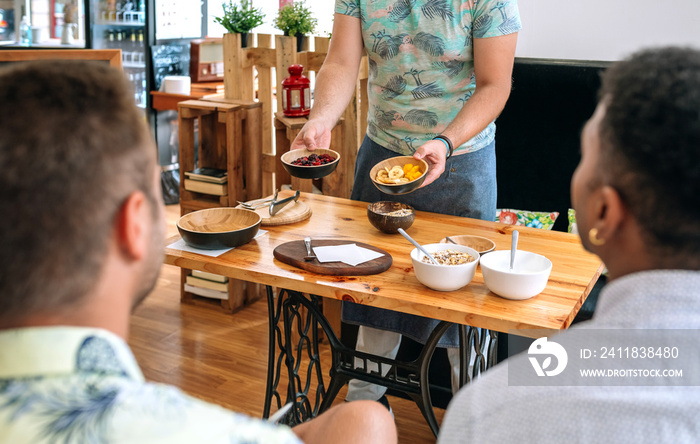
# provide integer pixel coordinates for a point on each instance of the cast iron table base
(410, 378)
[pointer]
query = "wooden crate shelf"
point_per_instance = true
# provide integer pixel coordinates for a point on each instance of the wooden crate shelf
(230, 138)
(240, 293)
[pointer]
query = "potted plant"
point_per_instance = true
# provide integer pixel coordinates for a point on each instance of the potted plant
(296, 19)
(241, 19)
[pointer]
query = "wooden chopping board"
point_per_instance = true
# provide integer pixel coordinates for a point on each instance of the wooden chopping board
(293, 212)
(292, 253)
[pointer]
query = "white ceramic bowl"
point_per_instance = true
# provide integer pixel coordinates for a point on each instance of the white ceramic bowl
(528, 278)
(444, 277)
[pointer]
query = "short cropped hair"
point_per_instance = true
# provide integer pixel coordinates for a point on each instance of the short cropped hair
(650, 143)
(73, 147)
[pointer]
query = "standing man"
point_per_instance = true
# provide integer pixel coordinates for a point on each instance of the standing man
(81, 245)
(439, 75)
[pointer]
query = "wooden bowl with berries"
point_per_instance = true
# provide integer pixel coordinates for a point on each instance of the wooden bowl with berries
(307, 164)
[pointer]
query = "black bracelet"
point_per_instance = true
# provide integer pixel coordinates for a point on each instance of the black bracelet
(448, 143)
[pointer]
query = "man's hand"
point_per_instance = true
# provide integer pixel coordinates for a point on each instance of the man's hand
(314, 134)
(434, 152)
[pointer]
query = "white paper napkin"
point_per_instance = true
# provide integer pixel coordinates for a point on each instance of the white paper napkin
(349, 254)
(182, 245)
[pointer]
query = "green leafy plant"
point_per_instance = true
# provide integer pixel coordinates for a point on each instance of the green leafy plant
(240, 19)
(295, 19)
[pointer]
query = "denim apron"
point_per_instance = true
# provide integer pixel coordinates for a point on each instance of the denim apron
(467, 188)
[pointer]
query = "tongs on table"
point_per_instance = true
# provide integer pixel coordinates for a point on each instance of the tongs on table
(277, 205)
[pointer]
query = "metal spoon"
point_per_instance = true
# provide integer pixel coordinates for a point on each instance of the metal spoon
(280, 414)
(309, 254)
(425, 252)
(449, 239)
(513, 248)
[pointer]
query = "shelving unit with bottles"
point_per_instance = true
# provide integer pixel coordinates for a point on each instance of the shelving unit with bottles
(122, 25)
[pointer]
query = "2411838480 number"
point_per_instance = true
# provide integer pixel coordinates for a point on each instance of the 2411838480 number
(639, 352)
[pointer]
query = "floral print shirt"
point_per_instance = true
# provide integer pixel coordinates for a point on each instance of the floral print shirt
(82, 385)
(421, 64)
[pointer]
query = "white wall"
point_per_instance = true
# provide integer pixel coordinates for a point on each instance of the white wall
(560, 29)
(604, 29)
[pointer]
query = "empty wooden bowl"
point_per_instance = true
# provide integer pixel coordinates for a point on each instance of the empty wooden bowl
(218, 228)
(312, 171)
(388, 216)
(480, 244)
(399, 188)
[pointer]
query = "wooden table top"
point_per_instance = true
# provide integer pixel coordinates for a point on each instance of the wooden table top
(574, 271)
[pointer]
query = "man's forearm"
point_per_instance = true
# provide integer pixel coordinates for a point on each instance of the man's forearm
(480, 110)
(335, 85)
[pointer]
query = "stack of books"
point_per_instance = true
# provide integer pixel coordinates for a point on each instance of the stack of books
(207, 88)
(207, 180)
(206, 284)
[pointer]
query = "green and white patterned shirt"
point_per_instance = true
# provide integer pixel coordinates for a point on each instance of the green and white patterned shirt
(82, 385)
(421, 64)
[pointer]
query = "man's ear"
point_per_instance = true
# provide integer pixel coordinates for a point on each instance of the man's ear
(132, 226)
(611, 213)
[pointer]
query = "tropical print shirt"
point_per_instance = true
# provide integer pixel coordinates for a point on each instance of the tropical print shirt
(421, 64)
(82, 385)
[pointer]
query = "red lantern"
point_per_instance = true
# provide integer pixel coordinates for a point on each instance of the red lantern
(296, 93)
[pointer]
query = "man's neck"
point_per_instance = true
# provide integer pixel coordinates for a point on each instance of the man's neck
(103, 319)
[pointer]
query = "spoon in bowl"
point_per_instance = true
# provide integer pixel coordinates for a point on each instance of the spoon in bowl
(425, 252)
(513, 248)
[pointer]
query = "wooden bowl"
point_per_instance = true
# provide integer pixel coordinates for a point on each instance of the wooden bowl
(218, 228)
(309, 172)
(480, 244)
(400, 188)
(379, 217)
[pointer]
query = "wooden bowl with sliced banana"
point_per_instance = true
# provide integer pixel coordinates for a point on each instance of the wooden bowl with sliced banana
(399, 175)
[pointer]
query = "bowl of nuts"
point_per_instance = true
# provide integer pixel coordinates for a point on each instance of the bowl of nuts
(455, 268)
(307, 164)
(399, 175)
(388, 217)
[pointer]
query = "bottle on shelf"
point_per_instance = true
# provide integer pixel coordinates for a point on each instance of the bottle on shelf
(133, 45)
(144, 97)
(25, 32)
(109, 39)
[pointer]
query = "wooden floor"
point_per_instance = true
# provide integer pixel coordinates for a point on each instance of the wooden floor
(222, 358)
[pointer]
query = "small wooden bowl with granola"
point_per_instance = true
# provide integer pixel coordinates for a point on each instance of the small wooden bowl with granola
(388, 217)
